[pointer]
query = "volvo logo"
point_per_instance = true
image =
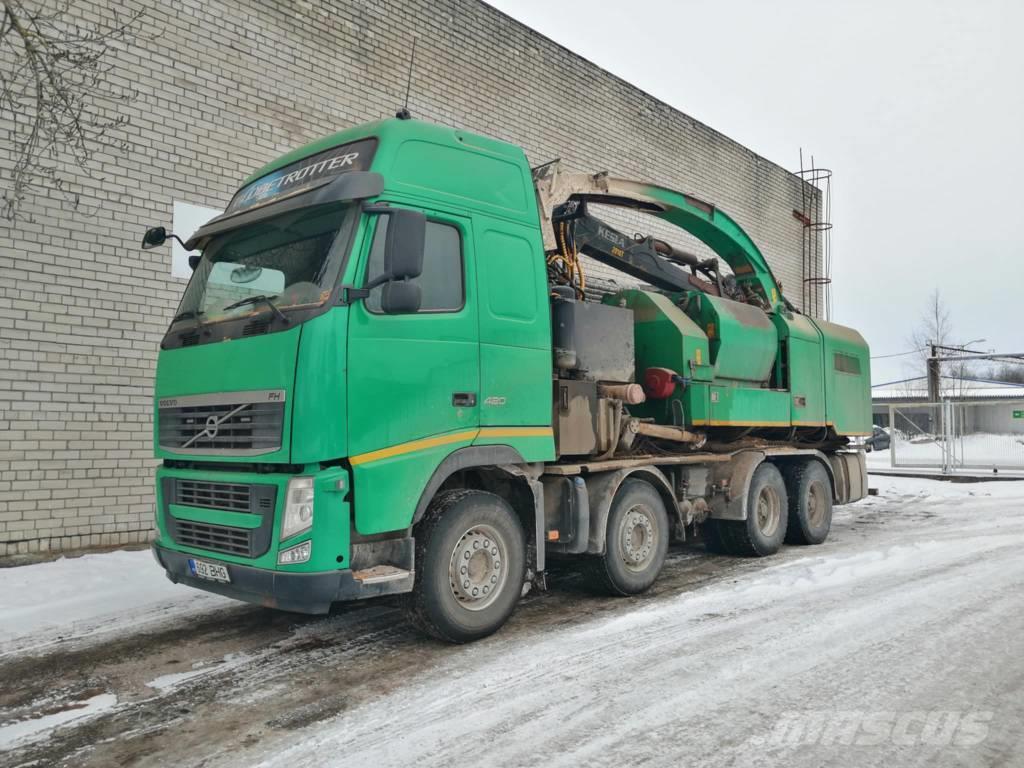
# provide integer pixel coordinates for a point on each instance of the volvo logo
(213, 423)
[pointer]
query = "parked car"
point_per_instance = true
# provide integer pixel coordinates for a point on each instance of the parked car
(879, 440)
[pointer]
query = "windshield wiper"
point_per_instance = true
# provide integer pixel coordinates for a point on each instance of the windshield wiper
(187, 314)
(268, 300)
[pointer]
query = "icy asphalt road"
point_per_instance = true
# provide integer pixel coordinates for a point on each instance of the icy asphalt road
(900, 642)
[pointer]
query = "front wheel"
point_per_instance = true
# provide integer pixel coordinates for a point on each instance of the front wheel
(470, 566)
(637, 540)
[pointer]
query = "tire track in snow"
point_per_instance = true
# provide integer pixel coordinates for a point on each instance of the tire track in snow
(512, 701)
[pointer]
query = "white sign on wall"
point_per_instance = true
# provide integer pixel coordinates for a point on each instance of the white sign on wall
(187, 219)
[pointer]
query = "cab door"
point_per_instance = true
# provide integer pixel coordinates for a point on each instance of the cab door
(413, 379)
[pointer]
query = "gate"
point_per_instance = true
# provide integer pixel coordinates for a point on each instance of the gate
(954, 436)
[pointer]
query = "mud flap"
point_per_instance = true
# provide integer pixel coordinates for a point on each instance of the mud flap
(732, 481)
(850, 473)
(566, 514)
(601, 490)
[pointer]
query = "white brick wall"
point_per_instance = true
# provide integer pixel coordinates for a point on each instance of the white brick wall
(224, 87)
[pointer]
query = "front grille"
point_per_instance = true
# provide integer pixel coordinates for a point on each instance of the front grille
(216, 538)
(247, 423)
(258, 500)
(231, 497)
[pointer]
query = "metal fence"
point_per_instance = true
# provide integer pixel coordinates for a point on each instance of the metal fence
(954, 436)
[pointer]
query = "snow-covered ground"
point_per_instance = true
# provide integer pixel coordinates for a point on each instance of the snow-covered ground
(71, 598)
(898, 642)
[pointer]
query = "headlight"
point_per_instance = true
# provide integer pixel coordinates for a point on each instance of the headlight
(298, 508)
(296, 554)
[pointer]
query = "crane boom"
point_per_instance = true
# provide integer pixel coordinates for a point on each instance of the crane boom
(713, 227)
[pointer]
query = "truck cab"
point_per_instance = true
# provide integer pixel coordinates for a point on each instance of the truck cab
(309, 404)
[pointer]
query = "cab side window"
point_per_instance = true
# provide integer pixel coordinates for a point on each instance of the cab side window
(441, 283)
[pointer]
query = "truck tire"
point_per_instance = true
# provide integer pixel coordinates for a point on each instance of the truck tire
(764, 530)
(470, 566)
(637, 540)
(810, 503)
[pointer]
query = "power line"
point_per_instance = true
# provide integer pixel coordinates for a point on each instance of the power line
(896, 354)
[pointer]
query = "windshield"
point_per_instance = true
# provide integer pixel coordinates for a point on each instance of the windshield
(292, 260)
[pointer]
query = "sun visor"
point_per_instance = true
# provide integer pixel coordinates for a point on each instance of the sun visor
(353, 185)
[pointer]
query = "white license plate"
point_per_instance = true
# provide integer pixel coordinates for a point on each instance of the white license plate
(210, 571)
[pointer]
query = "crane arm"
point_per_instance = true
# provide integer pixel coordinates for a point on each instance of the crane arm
(704, 221)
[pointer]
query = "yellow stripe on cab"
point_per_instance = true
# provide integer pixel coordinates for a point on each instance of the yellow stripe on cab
(455, 437)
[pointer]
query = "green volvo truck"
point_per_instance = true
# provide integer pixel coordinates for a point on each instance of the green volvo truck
(388, 374)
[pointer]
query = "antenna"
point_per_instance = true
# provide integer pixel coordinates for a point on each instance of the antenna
(403, 113)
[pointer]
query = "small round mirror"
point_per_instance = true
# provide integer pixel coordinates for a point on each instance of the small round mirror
(245, 274)
(154, 237)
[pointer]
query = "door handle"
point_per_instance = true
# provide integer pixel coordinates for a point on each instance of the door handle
(464, 399)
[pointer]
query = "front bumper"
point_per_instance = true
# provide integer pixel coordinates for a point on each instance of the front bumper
(297, 592)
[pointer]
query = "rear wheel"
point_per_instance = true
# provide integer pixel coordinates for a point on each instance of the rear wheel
(470, 566)
(764, 530)
(810, 504)
(637, 540)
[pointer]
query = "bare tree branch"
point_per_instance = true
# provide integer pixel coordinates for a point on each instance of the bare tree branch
(57, 95)
(937, 328)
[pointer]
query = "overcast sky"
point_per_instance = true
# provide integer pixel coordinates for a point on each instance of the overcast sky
(916, 106)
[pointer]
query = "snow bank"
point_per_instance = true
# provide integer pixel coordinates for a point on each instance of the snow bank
(73, 597)
(895, 488)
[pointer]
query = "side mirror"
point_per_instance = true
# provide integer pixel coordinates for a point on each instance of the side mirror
(154, 237)
(404, 244)
(193, 262)
(400, 298)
